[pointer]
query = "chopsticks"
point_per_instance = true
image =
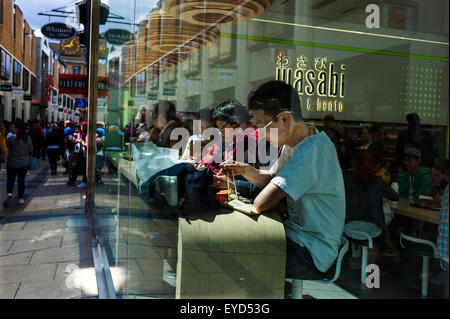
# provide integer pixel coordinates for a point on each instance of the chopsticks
(227, 157)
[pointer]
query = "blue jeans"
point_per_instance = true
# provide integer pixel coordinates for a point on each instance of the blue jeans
(53, 158)
(298, 261)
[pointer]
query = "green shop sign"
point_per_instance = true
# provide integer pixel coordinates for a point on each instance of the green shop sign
(117, 36)
(169, 91)
(152, 96)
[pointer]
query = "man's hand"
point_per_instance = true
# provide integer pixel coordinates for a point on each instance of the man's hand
(220, 180)
(237, 167)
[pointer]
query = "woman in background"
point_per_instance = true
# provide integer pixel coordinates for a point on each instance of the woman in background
(20, 151)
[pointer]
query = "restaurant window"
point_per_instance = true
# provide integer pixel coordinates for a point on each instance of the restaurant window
(5, 67)
(17, 71)
(76, 69)
(141, 83)
(54, 96)
(33, 85)
(338, 66)
(25, 80)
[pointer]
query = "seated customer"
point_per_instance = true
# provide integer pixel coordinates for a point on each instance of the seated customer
(416, 180)
(164, 120)
(364, 197)
(206, 121)
(311, 181)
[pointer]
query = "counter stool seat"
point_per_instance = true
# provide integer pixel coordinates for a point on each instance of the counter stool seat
(325, 278)
(361, 234)
(424, 248)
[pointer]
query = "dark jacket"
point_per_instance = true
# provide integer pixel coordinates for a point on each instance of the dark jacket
(19, 152)
(366, 203)
(54, 138)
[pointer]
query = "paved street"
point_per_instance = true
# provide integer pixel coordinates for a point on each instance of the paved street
(45, 245)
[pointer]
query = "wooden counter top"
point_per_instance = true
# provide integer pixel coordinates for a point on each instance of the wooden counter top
(404, 208)
(228, 254)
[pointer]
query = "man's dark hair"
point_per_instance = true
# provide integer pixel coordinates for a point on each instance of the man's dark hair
(413, 119)
(274, 97)
(231, 111)
(166, 109)
(329, 118)
(205, 114)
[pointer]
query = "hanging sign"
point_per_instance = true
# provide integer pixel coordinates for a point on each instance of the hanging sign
(6, 87)
(58, 31)
(118, 36)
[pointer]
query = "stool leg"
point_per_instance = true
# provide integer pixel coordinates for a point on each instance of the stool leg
(425, 271)
(356, 251)
(364, 258)
(297, 289)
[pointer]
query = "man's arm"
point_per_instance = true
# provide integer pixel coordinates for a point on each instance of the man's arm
(259, 178)
(269, 197)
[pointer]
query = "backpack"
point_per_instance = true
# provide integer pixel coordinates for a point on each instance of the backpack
(36, 135)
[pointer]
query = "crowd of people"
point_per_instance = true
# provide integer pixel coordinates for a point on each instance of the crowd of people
(23, 145)
(321, 179)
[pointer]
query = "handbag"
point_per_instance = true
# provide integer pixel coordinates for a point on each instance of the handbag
(34, 163)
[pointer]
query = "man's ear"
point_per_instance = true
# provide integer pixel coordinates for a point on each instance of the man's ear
(286, 120)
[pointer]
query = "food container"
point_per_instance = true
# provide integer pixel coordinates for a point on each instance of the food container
(222, 196)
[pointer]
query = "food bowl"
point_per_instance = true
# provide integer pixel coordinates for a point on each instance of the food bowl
(222, 196)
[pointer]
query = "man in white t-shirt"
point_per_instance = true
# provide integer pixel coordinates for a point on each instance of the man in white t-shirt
(308, 176)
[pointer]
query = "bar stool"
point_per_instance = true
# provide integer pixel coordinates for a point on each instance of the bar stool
(326, 278)
(361, 234)
(424, 248)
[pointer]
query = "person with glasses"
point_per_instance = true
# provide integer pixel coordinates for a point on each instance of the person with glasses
(417, 179)
(311, 180)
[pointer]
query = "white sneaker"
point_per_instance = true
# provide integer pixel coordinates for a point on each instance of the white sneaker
(21, 201)
(81, 185)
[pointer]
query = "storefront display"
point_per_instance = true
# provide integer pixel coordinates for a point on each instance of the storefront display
(195, 55)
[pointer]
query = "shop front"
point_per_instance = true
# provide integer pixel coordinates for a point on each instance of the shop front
(366, 67)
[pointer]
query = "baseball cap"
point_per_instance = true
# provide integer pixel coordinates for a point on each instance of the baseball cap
(412, 152)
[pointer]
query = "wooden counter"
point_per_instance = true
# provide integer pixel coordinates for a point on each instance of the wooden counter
(228, 254)
(404, 208)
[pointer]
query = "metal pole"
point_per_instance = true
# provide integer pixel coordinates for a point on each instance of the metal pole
(94, 27)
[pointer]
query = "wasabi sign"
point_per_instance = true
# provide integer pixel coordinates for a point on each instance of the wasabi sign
(118, 36)
(320, 84)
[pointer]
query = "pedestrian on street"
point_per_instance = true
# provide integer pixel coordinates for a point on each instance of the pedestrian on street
(20, 151)
(2, 144)
(53, 144)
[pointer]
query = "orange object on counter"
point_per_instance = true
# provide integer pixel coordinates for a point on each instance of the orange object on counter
(222, 196)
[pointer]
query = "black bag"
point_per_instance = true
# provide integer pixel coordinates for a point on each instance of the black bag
(194, 189)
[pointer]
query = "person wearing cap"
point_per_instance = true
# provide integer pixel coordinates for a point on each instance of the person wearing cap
(416, 179)
(415, 136)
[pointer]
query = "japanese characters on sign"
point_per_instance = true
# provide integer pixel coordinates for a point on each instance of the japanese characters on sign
(319, 83)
